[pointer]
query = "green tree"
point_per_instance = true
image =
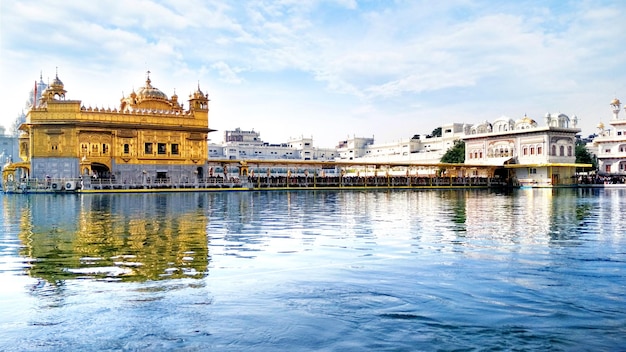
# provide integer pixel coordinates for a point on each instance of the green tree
(583, 156)
(436, 132)
(456, 153)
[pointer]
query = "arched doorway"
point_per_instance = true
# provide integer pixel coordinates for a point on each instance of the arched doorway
(200, 172)
(100, 171)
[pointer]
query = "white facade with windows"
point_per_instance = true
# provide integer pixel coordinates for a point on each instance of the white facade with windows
(610, 144)
(248, 145)
(418, 149)
(536, 156)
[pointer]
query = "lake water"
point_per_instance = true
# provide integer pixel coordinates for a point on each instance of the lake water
(314, 270)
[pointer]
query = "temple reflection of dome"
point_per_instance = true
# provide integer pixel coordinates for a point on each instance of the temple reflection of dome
(112, 240)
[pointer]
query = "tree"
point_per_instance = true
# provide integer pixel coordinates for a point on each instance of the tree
(456, 153)
(583, 156)
(436, 132)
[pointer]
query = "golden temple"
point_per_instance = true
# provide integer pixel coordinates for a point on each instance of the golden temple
(150, 136)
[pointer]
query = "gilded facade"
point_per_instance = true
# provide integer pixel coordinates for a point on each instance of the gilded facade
(149, 137)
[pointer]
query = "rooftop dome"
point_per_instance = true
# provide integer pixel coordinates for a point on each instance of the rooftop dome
(57, 83)
(149, 92)
(525, 122)
(197, 94)
(615, 102)
(502, 118)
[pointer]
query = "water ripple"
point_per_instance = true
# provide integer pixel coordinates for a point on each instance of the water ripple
(314, 270)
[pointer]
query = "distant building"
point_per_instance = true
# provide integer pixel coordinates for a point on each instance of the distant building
(353, 148)
(248, 145)
(424, 149)
(610, 144)
(8, 148)
(33, 96)
(535, 156)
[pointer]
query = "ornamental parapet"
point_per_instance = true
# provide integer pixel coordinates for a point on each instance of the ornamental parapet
(138, 111)
(101, 115)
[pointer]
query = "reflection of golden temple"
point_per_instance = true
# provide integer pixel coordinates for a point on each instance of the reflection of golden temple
(166, 239)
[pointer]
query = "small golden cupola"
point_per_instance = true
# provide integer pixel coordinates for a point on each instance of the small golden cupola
(54, 91)
(616, 102)
(525, 123)
(199, 100)
(175, 103)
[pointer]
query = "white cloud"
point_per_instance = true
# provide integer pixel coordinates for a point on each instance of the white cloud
(227, 73)
(334, 62)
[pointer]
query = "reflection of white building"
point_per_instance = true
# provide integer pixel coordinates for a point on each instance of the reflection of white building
(419, 149)
(248, 145)
(610, 144)
(536, 156)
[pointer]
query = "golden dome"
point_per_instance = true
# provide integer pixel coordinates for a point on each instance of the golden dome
(601, 126)
(197, 94)
(527, 120)
(615, 102)
(149, 92)
(57, 83)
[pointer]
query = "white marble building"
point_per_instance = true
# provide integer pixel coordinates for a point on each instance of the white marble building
(610, 144)
(422, 149)
(539, 156)
(248, 145)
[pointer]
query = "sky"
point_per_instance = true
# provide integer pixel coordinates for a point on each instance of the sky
(326, 69)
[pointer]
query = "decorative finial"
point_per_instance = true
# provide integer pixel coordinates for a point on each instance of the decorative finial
(148, 81)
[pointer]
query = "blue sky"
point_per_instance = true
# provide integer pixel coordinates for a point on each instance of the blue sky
(326, 69)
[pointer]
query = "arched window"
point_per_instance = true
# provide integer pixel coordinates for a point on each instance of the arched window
(554, 150)
(569, 150)
(562, 150)
(525, 151)
(539, 150)
(532, 150)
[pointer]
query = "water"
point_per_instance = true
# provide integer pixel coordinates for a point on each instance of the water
(324, 271)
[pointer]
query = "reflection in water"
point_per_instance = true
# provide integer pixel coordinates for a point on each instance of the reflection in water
(138, 237)
(129, 237)
(309, 270)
